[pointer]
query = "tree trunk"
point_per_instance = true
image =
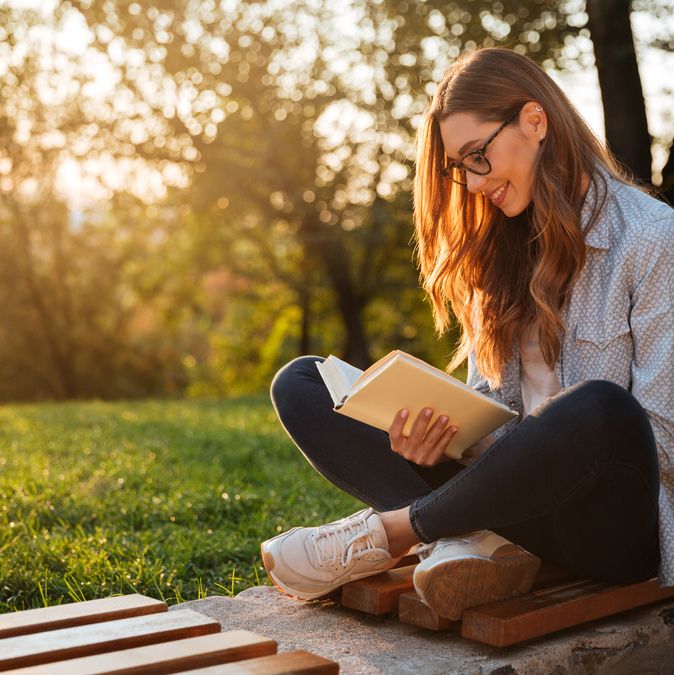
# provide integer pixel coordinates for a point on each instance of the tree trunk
(321, 245)
(623, 99)
(667, 187)
(356, 347)
(305, 308)
(60, 355)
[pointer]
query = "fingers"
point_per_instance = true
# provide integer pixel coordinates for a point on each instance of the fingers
(436, 431)
(395, 431)
(425, 445)
(420, 425)
(438, 453)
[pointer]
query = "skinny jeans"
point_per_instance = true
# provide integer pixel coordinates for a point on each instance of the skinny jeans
(575, 483)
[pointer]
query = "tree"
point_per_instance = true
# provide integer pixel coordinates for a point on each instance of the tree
(626, 126)
(261, 82)
(625, 114)
(65, 284)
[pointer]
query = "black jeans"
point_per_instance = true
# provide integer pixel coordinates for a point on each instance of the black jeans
(576, 482)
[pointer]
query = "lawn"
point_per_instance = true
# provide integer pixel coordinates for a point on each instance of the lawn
(166, 498)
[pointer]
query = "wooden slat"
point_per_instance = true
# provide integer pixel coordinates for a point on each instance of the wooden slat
(168, 657)
(299, 662)
(77, 614)
(69, 643)
(407, 560)
(546, 611)
(378, 594)
(413, 610)
(551, 575)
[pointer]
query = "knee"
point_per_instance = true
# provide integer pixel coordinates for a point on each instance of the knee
(615, 408)
(603, 396)
(290, 379)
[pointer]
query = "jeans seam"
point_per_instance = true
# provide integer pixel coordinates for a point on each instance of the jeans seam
(416, 525)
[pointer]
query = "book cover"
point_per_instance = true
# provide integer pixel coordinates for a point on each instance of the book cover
(400, 380)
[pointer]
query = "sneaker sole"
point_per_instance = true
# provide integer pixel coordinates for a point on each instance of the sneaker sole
(451, 586)
(269, 562)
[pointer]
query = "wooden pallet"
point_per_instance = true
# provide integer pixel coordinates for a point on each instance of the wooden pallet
(555, 602)
(135, 634)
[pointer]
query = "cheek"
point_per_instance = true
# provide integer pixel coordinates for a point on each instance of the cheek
(523, 165)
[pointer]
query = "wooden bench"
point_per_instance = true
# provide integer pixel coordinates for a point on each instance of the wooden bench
(137, 634)
(555, 602)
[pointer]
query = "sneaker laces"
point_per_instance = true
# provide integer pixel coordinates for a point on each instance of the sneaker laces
(424, 550)
(337, 542)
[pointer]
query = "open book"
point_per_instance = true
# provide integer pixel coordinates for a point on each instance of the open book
(400, 380)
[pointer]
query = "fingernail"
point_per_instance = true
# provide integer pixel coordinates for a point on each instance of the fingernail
(454, 430)
(428, 412)
(443, 419)
(404, 414)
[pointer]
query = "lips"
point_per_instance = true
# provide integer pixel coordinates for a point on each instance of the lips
(498, 196)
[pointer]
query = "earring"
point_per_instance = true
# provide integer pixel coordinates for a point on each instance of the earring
(539, 109)
(542, 137)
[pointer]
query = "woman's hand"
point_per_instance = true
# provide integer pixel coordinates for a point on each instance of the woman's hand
(425, 445)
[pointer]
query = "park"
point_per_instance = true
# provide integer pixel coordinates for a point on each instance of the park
(193, 195)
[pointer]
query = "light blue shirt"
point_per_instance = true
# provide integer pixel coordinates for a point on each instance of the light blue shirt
(620, 325)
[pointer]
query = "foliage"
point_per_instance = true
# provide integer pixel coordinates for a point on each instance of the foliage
(247, 169)
(73, 286)
(169, 499)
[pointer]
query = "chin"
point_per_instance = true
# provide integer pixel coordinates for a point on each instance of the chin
(515, 209)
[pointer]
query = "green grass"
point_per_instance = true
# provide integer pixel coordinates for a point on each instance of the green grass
(165, 498)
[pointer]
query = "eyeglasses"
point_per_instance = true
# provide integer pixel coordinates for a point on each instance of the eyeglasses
(475, 161)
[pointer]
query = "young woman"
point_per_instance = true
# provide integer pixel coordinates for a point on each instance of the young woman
(560, 273)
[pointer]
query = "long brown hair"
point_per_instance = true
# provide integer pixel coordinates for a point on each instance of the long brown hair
(500, 274)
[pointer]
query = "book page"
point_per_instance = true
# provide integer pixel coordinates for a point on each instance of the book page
(338, 376)
(349, 373)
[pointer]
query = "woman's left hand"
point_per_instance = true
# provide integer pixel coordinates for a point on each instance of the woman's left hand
(425, 445)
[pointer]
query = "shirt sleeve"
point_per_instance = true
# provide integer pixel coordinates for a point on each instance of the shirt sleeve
(652, 326)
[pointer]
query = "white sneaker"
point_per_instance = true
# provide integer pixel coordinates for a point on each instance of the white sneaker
(479, 567)
(308, 562)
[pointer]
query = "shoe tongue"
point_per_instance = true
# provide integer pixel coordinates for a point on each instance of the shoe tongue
(377, 537)
(378, 534)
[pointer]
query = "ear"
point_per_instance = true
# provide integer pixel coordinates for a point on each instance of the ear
(534, 121)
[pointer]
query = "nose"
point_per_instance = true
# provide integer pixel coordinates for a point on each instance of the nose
(474, 182)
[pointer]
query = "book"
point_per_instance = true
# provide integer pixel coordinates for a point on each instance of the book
(400, 380)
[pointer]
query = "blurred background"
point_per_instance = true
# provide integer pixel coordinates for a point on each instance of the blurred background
(192, 192)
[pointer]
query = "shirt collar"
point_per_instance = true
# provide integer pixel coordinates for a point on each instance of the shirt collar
(597, 195)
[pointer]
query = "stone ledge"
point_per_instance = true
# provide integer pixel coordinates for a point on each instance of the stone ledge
(640, 641)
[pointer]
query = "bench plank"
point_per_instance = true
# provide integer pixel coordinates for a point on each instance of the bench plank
(378, 594)
(77, 614)
(68, 643)
(413, 610)
(300, 662)
(551, 575)
(407, 560)
(169, 657)
(548, 610)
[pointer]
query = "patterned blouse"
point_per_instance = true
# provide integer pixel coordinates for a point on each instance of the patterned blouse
(620, 325)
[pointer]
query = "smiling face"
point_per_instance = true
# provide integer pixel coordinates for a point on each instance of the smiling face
(512, 154)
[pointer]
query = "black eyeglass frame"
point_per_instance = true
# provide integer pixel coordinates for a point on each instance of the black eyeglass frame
(458, 166)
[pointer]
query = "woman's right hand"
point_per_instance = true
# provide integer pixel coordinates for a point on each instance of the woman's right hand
(425, 444)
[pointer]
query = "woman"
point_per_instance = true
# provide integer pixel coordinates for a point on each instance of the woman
(560, 273)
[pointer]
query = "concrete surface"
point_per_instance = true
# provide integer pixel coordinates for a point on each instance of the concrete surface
(640, 642)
